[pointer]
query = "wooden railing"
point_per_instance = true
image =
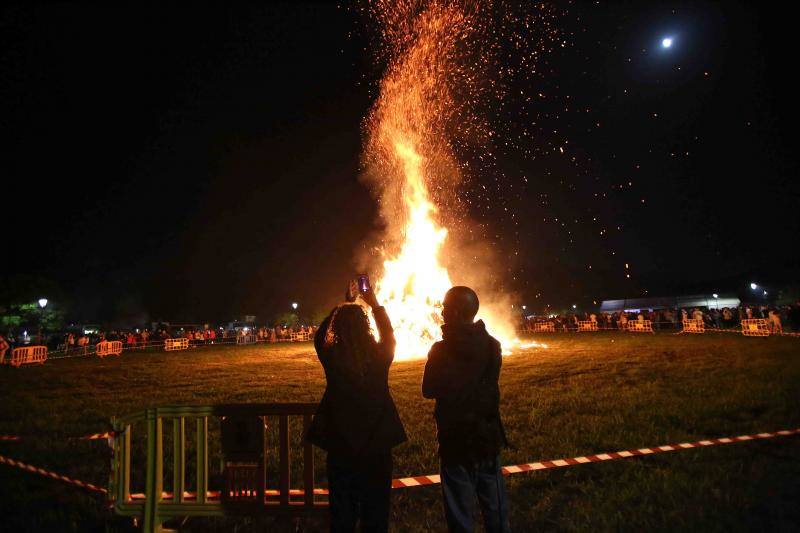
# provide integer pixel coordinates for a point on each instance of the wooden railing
(244, 464)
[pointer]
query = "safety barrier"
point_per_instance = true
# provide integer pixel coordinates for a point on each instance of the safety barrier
(755, 327)
(434, 479)
(244, 465)
(693, 325)
(587, 325)
(640, 326)
(246, 339)
(108, 348)
(180, 343)
(299, 336)
(544, 326)
(25, 355)
(121, 469)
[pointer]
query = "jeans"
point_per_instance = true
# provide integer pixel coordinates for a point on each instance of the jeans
(360, 489)
(462, 483)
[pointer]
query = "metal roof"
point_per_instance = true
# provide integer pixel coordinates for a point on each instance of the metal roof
(671, 302)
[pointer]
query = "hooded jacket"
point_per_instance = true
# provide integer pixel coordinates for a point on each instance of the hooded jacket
(357, 418)
(462, 375)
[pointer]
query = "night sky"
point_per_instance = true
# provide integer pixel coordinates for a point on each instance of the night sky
(197, 164)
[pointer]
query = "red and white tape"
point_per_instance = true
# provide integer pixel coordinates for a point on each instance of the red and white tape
(433, 479)
(51, 474)
(93, 436)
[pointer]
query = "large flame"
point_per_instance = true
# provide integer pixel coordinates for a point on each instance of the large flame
(414, 281)
(409, 155)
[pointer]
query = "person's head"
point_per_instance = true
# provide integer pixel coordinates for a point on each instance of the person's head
(460, 306)
(351, 336)
(350, 324)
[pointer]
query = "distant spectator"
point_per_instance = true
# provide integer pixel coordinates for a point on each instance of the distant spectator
(727, 317)
(775, 325)
(794, 316)
(83, 342)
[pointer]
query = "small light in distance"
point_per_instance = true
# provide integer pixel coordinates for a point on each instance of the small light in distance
(666, 42)
(753, 286)
(715, 295)
(294, 305)
(574, 306)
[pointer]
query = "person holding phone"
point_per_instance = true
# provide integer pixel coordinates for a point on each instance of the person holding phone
(357, 422)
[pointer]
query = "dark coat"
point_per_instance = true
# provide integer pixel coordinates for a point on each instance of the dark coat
(461, 374)
(357, 417)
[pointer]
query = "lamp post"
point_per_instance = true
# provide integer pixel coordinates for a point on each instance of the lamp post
(42, 305)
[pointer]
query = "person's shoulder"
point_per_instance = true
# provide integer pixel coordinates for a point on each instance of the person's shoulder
(495, 344)
(437, 347)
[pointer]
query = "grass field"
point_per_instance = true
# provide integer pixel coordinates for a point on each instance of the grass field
(585, 393)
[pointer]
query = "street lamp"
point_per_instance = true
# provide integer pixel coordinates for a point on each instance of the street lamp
(42, 304)
(715, 295)
(753, 286)
(574, 306)
(294, 306)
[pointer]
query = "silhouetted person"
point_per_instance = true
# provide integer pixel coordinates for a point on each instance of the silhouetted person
(461, 375)
(357, 422)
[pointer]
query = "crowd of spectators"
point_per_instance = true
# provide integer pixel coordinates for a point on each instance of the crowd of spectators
(76, 342)
(778, 318)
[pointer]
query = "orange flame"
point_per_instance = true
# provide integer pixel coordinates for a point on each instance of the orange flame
(407, 152)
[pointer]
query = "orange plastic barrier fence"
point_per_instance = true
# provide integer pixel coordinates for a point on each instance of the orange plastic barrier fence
(640, 326)
(693, 325)
(181, 343)
(544, 326)
(587, 325)
(108, 348)
(300, 336)
(26, 355)
(755, 327)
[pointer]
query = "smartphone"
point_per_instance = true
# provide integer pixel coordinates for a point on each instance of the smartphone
(363, 283)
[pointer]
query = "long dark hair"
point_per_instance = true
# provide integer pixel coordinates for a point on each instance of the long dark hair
(351, 338)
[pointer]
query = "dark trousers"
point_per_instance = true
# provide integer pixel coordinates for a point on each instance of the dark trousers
(461, 484)
(359, 490)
